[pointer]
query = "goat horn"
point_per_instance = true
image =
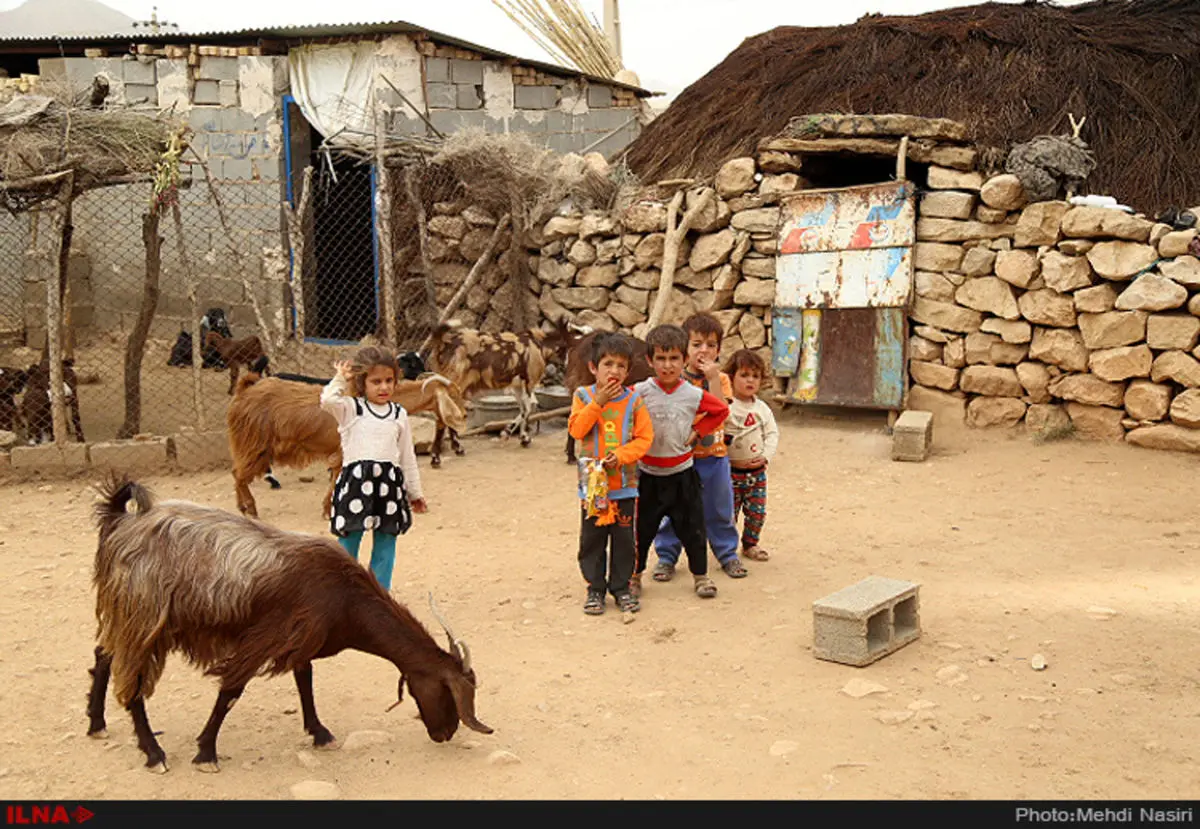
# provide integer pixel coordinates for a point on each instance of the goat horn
(466, 658)
(449, 633)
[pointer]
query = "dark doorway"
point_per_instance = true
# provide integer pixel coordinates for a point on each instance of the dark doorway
(343, 242)
(825, 171)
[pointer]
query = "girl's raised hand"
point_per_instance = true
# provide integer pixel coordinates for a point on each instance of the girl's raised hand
(345, 369)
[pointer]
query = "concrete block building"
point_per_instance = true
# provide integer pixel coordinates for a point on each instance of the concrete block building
(261, 102)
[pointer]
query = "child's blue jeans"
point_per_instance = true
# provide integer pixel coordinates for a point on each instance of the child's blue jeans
(383, 554)
(717, 494)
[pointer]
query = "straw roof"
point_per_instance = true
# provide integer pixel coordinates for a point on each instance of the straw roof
(1009, 72)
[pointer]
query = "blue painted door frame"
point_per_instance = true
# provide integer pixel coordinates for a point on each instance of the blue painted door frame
(289, 163)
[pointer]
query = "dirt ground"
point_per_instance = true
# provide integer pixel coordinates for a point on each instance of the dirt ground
(1015, 545)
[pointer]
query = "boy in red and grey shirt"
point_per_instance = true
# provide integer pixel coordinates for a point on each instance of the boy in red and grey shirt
(669, 485)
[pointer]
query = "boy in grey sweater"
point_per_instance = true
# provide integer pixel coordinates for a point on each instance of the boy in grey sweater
(669, 485)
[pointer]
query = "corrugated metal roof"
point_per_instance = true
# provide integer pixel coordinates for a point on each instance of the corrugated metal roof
(315, 30)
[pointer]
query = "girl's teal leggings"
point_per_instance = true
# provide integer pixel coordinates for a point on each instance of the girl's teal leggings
(383, 554)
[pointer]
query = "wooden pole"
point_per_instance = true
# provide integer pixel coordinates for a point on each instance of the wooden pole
(902, 159)
(383, 210)
(135, 347)
(194, 297)
(297, 223)
(675, 237)
(61, 224)
(418, 208)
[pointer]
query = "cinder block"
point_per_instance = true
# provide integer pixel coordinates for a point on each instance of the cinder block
(467, 96)
(141, 94)
(437, 70)
(206, 93)
(866, 621)
(529, 97)
(137, 72)
(50, 458)
(466, 71)
(130, 455)
(228, 93)
(441, 95)
(912, 436)
(599, 96)
(200, 450)
(217, 69)
(237, 169)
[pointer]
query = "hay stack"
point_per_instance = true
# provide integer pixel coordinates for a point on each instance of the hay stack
(1010, 72)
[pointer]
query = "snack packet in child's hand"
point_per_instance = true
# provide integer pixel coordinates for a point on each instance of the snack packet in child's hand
(595, 487)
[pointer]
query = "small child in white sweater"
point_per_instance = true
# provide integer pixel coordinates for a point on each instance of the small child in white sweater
(379, 487)
(753, 437)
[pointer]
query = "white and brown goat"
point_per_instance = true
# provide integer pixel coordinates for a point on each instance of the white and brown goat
(240, 598)
(476, 361)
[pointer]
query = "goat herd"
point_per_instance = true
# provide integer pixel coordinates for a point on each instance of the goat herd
(239, 598)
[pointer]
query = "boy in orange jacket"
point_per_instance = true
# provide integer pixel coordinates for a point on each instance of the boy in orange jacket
(613, 424)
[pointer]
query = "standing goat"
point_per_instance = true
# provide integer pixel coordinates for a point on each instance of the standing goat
(36, 407)
(273, 421)
(235, 353)
(240, 598)
(475, 361)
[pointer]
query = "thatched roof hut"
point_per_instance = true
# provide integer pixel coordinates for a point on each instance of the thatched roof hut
(1009, 72)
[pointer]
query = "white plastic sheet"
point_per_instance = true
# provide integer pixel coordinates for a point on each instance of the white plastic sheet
(332, 86)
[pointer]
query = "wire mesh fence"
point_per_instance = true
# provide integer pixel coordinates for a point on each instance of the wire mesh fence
(302, 274)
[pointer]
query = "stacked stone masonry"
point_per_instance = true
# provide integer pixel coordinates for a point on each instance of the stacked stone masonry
(1057, 316)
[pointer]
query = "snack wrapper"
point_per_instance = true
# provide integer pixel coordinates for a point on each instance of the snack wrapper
(593, 480)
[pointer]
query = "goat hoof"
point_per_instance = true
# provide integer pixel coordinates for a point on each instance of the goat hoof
(99, 734)
(207, 766)
(460, 451)
(435, 462)
(157, 767)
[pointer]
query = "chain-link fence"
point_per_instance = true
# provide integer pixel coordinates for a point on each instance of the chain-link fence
(309, 270)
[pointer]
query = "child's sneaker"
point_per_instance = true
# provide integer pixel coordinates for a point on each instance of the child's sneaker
(594, 606)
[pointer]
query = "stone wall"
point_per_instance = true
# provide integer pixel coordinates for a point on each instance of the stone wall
(1055, 316)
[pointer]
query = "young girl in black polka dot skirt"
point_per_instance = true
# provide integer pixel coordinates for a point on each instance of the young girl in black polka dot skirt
(379, 487)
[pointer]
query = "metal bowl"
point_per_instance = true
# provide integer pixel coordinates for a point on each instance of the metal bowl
(552, 397)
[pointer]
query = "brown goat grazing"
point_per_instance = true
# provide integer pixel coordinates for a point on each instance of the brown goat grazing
(36, 405)
(475, 361)
(578, 374)
(281, 422)
(235, 353)
(240, 598)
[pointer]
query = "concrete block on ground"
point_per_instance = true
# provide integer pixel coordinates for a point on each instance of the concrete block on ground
(441, 95)
(149, 455)
(50, 458)
(866, 621)
(466, 71)
(437, 70)
(5, 463)
(423, 429)
(200, 450)
(912, 436)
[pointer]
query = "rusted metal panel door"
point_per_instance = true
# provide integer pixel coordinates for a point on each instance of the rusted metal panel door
(843, 281)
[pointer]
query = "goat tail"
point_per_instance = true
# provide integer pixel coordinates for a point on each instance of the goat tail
(115, 495)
